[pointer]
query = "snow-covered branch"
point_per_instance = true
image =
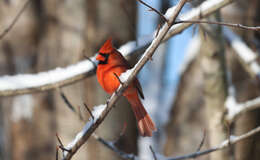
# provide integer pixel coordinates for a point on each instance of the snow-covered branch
(88, 130)
(29, 83)
(235, 109)
(247, 57)
(205, 9)
(231, 141)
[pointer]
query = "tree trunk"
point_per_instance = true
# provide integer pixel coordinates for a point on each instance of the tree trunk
(215, 90)
(187, 114)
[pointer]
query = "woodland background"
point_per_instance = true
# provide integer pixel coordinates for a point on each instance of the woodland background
(180, 90)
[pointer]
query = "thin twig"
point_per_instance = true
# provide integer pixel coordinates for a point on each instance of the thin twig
(64, 149)
(59, 140)
(240, 26)
(111, 146)
(156, 11)
(57, 153)
(154, 155)
(4, 33)
(61, 146)
(89, 111)
(94, 64)
(117, 77)
(228, 132)
(202, 141)
(66, 100)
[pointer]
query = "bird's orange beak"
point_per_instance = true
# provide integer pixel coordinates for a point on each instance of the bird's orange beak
(100, 58)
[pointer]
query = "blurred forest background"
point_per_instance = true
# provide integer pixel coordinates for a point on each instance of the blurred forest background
(185, 85)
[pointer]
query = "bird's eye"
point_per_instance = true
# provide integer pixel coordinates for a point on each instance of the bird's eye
(103, 58)
(103, 54)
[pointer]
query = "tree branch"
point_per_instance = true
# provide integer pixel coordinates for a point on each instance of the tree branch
(156, 11)
(239, 26)
(88, 130)
(247, 57)
(230, 141)
(235, 109)
(111, 146)
(4, 33)
(19, 84)
(204, 10)
(108, 144)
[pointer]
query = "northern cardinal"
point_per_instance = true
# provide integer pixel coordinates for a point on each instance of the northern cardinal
(111, 62)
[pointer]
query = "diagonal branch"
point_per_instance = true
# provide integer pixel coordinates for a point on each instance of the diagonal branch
(4, 33)
(22, 84)
(245, 54)
(204, 10)
(112, 100)
(108, 144)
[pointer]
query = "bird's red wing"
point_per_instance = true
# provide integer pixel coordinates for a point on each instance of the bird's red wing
(136, 82)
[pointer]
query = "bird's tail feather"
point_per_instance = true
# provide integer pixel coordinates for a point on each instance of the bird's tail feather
(144, 121)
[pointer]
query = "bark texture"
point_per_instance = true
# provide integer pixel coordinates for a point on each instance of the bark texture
(215, 91)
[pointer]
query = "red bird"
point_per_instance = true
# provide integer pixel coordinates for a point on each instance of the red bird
(111, 62)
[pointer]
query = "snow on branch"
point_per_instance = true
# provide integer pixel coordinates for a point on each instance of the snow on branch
(205, 9)
(111, 101)
(247, 57)
(29, 83)
(96, 114)
(231, 141)
(235, 109)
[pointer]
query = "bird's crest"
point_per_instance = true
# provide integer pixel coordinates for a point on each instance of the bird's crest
(107, 47)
